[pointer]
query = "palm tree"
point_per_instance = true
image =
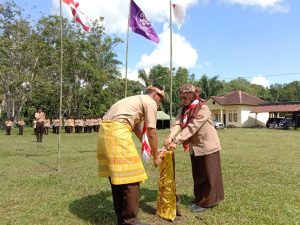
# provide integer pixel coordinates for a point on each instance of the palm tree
(210, 86)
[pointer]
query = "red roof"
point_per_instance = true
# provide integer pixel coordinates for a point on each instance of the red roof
(237, 98)
(277, 108)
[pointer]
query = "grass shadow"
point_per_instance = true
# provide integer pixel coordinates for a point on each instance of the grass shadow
(86, 151)
(98, 209)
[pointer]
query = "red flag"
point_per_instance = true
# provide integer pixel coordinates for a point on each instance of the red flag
(68, 2)
(79, 17)
(146, 150)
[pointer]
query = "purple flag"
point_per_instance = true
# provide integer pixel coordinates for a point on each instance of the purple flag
(140, 24)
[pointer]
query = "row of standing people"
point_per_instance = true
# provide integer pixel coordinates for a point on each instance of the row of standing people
(79, 125)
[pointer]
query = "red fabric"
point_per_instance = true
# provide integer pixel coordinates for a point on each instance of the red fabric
(146, 150)
(78, 19)
(185, 118)
(77, 13)
(68, 2)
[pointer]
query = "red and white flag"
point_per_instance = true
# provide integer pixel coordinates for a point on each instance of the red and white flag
(79, 16)
(146, 150)
(179, 14)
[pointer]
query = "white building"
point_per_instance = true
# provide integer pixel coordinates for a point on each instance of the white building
(235, 110)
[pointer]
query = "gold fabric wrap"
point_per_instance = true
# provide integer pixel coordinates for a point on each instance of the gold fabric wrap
(166, 199)
(117, 155)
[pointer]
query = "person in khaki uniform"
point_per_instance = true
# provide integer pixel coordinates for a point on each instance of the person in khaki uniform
(8, 126)
(21, 125)
(194, 129)
(56, 125)
(40, 119)
(76, 124)
(117, 156)
(47, 124)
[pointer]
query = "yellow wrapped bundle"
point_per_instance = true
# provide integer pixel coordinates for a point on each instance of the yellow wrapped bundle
(166, 199)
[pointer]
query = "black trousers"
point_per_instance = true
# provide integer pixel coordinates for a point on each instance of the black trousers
(8, 130)
(21, 129)
(126, 202)
(39, 131)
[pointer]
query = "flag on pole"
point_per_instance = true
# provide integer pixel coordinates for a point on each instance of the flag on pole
(79, 16)
(140, 24)
(146, 150)
(179, 14)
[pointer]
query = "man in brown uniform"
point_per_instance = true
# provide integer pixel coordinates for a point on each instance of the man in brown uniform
(8, 125)
(117, 156)
(56, 125)
(194, 129)
(21, 125)
(40, 118)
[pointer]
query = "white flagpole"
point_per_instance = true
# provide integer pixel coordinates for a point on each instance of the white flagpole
(60, 91)
(171, 66)
(126, 61)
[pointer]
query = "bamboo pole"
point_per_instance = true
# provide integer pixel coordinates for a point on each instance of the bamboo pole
(171, 66)
(60, 91)
(126, 60)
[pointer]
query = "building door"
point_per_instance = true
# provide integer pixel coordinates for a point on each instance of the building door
(224, 119)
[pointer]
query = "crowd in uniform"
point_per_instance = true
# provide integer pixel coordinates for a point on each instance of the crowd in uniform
(43, 124)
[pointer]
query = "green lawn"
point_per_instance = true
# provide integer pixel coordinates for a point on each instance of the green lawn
(261, 172)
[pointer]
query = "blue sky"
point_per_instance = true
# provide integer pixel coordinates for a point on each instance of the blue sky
(255, 39)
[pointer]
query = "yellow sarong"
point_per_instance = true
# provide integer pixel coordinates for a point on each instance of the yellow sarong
(117, 155)
(166, 199)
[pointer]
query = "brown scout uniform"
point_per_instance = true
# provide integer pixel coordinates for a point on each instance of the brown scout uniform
(21, 125)
(204, 146)
(131, 110)
(40, 119)
(8, 125)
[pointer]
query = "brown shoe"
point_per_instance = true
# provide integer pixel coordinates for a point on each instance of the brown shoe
(178, 213)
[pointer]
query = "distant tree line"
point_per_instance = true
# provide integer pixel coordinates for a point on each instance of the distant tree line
(30, 70)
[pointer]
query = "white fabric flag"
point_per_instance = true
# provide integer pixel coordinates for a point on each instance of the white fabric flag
(179, 14)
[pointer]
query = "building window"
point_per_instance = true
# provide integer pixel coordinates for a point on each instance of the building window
(235, 117)
(230, 117)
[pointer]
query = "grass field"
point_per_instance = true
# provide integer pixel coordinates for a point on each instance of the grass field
(261, 172)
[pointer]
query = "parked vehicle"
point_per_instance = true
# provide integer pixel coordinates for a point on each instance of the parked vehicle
(286, 123)
(273, 122)
(280, 123)
(218, 125)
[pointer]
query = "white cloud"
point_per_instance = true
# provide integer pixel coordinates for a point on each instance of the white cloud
(183, 53)
(132, 74)
(260, 80)
(272, 5)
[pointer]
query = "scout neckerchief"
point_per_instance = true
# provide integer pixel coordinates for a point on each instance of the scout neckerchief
(185, 118)
(146, 150)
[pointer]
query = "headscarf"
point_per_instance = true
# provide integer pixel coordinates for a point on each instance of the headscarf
(189, 110)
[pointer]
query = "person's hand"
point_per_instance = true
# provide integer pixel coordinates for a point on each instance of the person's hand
(157, 161)
(167, 142)
(162, 152)
(172, 145)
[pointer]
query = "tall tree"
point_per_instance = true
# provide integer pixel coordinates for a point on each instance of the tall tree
(210, 86)
(18, 58)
